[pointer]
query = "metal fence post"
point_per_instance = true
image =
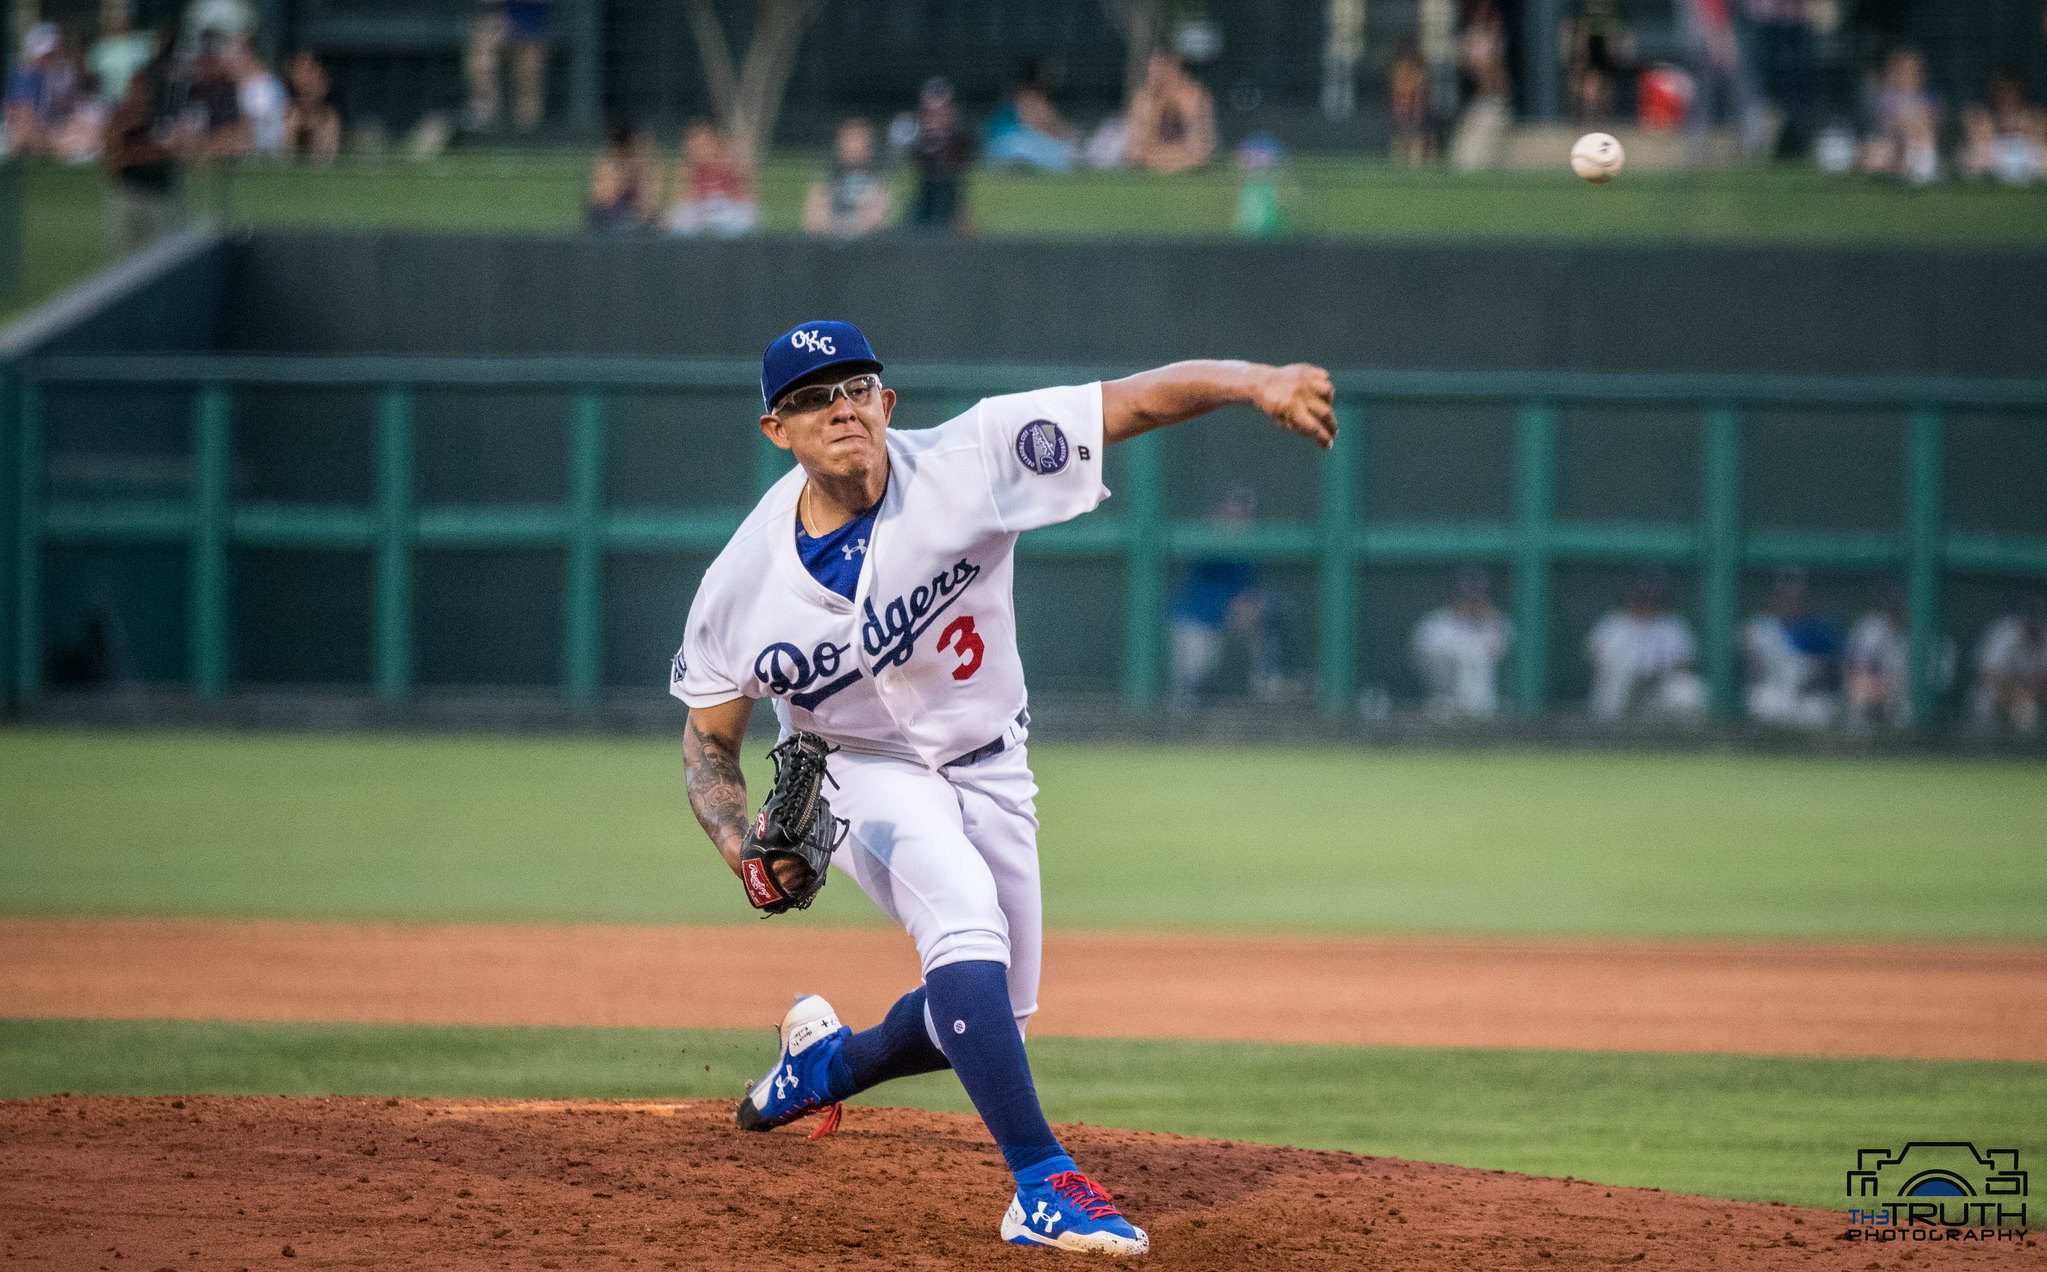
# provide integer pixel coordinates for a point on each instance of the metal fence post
(1720, 555)
(582, 615)
(1923, 547)
(28, 547)
(1535, 455)
(1145, 571)
(1338, 636)
(392, 657)
(209, 566)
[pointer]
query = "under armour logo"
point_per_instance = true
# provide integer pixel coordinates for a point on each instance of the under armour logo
(815, 341)
(858, 545)
(784, 1080)
(1039, 1216)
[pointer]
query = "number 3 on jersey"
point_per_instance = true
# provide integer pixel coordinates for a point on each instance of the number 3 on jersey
(959, 635)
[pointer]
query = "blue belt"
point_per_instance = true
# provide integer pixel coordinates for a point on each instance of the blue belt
(979, 753)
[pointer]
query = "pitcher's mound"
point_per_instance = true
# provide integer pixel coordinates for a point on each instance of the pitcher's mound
(217, 1182)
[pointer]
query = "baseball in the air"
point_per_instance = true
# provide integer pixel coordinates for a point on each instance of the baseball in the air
(1597, 157)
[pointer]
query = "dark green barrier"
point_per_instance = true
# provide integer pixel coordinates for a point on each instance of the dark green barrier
(403, 523)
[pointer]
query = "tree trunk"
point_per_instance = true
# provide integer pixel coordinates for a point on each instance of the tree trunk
(748, 98)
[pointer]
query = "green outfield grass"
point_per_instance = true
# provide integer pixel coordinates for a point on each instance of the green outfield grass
(584, 829)
(1353, 198)
(1746, 1127)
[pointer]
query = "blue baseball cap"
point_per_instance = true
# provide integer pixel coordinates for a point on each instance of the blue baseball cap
(808, 348)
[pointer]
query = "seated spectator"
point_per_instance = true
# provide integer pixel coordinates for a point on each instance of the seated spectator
(2006, 137)
(213, 97)
(1481, 130)
(942, 152)
(2011, 669)
(1905, 122)
(42, 92)
(263, 100)
(1408, 88)
(1877, 665)
(713, 189)
(140, 157)
(312, 127)
(1026, 128)
(621, 198)
(1793, 657)
(853, 198)
(1220, 598)
(1595, 55)
(1171, 119)
(1457, 651)
(1641, 658)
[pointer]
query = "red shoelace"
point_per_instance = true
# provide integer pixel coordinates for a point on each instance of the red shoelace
(1084, 1193)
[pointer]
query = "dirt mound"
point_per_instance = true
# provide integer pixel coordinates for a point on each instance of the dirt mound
(214, 1182)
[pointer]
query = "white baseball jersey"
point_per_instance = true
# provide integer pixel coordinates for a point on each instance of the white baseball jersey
(921, 663)
(1640, 646)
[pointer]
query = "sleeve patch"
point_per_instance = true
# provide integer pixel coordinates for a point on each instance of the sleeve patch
(1041, 447)
(676, 669)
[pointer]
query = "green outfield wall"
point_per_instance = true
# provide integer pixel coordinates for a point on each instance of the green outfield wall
(404, 466)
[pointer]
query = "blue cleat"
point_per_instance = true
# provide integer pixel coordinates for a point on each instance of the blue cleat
(800, 1082)
(1069, 1211)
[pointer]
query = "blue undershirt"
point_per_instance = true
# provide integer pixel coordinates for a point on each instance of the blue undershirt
(834, 558)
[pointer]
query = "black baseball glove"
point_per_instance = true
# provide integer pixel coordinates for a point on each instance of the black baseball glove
(795, 824)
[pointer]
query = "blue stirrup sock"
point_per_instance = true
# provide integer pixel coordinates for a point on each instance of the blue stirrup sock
(971, 1010)
(896, 1048)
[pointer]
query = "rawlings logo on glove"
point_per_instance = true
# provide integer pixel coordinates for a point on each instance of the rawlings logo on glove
(794, 826)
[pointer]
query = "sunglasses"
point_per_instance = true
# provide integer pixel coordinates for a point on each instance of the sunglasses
(859, 390)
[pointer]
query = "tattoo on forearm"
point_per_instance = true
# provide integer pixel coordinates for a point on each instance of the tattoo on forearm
(717, 789)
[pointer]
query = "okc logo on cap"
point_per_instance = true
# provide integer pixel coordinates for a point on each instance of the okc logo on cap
(810, 347)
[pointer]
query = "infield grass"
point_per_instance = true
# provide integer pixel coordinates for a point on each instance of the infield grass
(597, 830)
(65, 218)
(1746, 1127)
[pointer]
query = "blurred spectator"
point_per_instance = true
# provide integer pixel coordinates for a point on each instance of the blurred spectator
(1723, 85)
(621, 198)
(1482, 55)
(213, 102)
(1261, 203)
(1408, 87)
(2011, 669)
(42, 92)
(2006, 136)
(1784, 64)
(1641, 658)
(118, 53)
(263, 100)
(141, 157)
(942, 152)
(1904, 122)
(1223, 597)
(713, 190)
(228, 18)
(312, 126)
(1457, 651)
(1171, 119)
(521, 28)
(1878, 664)
(1596, 53)
(1793, 657)
(1026, 128)
(853, 198)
